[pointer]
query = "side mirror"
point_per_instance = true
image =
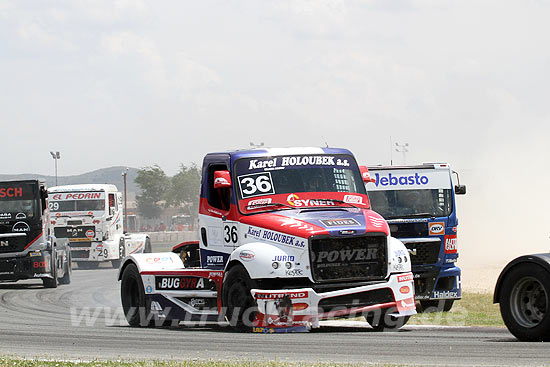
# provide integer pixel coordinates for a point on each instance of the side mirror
(460, 189)
(222, 179)
(366, 175)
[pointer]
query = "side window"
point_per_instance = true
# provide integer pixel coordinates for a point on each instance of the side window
(218, 198)
(112, 204)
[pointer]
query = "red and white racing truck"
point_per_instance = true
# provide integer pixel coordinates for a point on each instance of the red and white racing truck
(90, 218)
(287, 239)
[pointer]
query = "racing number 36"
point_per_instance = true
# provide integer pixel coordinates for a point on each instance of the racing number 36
(230, 234)
(256, 184)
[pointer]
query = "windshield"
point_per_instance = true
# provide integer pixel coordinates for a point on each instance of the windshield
(412, 203)
(18, 201)
(77, 202)
(322, 177)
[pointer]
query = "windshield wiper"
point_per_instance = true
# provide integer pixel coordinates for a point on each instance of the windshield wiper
(415, 215)
(336, 201)
(249, 207)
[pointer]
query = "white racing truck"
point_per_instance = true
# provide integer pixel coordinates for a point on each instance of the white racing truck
(287, 239)
(90, 218)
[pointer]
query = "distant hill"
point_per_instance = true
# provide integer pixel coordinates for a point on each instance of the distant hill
(111, 175)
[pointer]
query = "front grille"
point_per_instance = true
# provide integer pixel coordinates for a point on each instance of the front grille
(424, 252)
(348, 258)
(74, 222)
(13, 244)
(362, 299)
(80, 244)
(75, 232)
(80, 254)
(7, 266)
(412, 230)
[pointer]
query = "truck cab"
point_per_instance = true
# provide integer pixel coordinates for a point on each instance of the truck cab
(419, 205)
(89, 218)
(27, 248)
(288, 233)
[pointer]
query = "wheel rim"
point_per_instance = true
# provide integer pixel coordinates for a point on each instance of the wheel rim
(528, 302)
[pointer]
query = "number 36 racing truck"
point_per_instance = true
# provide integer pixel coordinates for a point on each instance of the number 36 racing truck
(287, 239)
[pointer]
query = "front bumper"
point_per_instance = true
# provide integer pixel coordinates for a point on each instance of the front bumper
(301, 309)
(437, 284)
(36, 264)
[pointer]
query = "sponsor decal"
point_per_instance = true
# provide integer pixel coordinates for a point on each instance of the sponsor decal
(246, 255)
(450, 261)
(149, 289)
(11, 192)
(277, 237)
(436, 228)
(294, 273)
(215, 274)
(340, 222)
(406, 304)
(409, 220)
(295, 200)
(40, 264)
(20, 216)
(404, 278)
(159, 260)
(299, 306)
(445, 294)
(348, 255)
(197, 302)
(78, 196)
(377, 222)
(89, 233)
(450, 244)
(221, 181)
(404, 289)
(292, 295)
(177, 283)
(214, 260)
(353, 199)
(391, 180)
(21, 227)
(252, 204)
(35, 253)
(283, 258)
(4, 243)
(294, 223)
(312, 160)
(5, 216)
(263, 330)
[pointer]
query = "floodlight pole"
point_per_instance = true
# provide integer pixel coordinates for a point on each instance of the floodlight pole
(125, 227)
(55, 156)
(402, 148)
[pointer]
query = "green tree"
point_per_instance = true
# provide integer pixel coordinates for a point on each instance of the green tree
(154, 185)
(185, 189)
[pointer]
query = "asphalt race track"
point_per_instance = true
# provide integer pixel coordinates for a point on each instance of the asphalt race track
(38, 322)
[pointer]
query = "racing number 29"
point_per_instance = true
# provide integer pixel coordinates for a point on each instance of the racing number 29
(231, 235)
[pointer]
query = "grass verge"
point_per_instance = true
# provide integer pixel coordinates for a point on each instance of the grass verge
(19, 362)
(474, 309)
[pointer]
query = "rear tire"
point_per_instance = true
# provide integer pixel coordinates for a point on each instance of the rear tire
(443, 305)
(241, 307)
(525, 301)
(121, 254)
(382, 320)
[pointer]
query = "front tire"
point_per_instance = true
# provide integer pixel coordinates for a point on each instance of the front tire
(135, 306)
(524, 302)
(241, 307)
(66, 278)
(52, 282)
(121, 254)
(382, 320)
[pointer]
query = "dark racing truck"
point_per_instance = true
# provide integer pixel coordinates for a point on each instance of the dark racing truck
(27, 250)
(419, 204)
(287, 239)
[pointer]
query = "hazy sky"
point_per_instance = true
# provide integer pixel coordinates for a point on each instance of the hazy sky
(142, 82)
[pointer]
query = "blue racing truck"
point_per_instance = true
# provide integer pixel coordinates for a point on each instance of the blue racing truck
(419, 205)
